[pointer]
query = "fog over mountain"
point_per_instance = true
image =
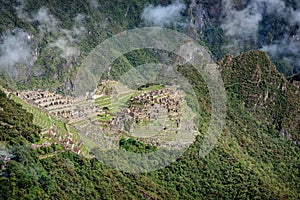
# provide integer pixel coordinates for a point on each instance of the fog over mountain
(94, 3)
(272, 24)
(147, 124)
(163, 15)
(15, 49)
(66, 40)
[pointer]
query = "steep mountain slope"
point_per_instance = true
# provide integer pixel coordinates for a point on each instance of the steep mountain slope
(59, 34)
(257, 155)
(254, 157)
(264, 91)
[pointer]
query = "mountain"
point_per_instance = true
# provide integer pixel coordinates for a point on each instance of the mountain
(257, 155)
(55, 37)
(264, 91)
(42, 45)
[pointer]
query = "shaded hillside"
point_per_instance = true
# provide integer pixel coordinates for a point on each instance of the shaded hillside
(15, 123)
(58, 35)
(62, 33)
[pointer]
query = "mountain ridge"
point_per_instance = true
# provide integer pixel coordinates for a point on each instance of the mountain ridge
(271, 91)
(251, 160)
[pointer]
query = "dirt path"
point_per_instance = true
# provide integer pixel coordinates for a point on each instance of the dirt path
(49, 155)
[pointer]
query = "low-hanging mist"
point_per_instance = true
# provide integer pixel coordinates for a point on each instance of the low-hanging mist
(163, 15)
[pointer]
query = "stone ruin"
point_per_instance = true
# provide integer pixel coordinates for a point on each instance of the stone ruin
(45, 100)
(161, 104)
(106, 87)
(165, 105)
(144, 107)
(61, 107)
(65, 140)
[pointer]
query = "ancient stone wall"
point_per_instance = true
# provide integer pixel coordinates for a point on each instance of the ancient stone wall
(62, 108)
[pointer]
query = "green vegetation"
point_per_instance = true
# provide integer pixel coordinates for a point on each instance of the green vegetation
(51, 71)
(264, 92)
(150, 87)
(135, 146)
(252, 159)
(114, 103)
(257, 156)
(57, 73)
(41, 118)
(15, 123)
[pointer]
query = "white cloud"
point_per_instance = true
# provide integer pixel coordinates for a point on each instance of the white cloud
(296, 16)
(68, 40)
(288, 47)
(243, 25)
(15, 49)
(94, 3)
(163, 15)
(67, 50)
(20, 9)
(48, 22)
